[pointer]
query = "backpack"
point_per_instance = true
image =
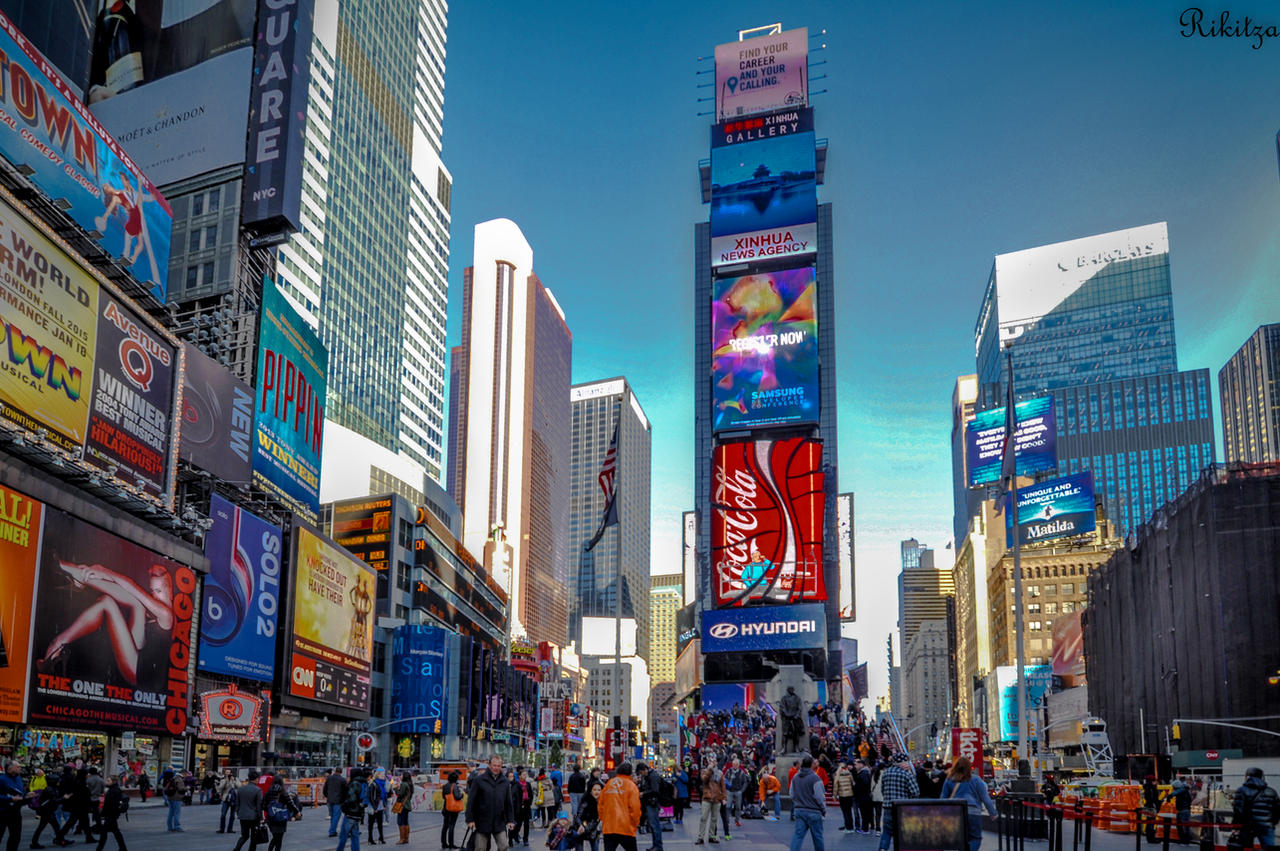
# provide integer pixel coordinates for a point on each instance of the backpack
(353, 803)
(278, 812)
(666, 792)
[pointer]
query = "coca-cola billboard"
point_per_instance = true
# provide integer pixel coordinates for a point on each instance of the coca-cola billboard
(967, 741)
(767, 522)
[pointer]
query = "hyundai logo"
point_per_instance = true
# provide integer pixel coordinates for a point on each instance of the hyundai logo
(723, 631)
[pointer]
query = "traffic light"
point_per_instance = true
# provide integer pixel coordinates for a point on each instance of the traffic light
(631, 738)
(933, 730)
(1177, 732)
(437, 726)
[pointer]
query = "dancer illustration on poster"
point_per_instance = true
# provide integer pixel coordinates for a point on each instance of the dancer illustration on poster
(128, 200)
(124, 611)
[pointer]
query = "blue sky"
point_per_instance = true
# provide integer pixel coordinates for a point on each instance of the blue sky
(956, 132)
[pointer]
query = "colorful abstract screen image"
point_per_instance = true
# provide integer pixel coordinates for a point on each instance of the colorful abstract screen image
(764, 349)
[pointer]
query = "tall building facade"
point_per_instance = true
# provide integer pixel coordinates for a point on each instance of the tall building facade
(964, 399)
(512, 463)
(1249, 391)
(1090, 322)
(922, 590)
(664, 605)
(926, 684)
(598, 408)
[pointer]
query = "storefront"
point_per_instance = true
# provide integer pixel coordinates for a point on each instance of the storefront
(308, 743)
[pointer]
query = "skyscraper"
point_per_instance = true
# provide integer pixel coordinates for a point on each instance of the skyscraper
(512, 418)
(598, 407)
(1249, 385)
(922, 591)
(963, 401)
(1090, 322)
(664, 604)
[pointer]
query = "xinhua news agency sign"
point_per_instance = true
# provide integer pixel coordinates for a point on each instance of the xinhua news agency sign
(799, 627)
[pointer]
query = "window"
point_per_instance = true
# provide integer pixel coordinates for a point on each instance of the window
(402, 576)
(194, 244)
(1033, 625)
(1068, 607)
(379, 655)
(1033, 608)
(1050, 608)
(197, 205)
(405, 534)
(215, 196)
(1051, 589)
(210, 236)
(1067, 587)
(402, 612)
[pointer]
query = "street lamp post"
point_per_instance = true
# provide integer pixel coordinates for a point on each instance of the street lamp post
(1011, 418)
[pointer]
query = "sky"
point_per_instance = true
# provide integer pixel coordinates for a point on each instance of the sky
(956, 132)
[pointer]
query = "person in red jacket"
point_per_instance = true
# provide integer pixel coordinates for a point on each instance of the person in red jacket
(619, 807)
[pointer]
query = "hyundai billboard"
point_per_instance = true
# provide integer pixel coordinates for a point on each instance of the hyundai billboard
(1058, 508)
(767, 511)
(1035, 443)
(798, 627)
(764, 350)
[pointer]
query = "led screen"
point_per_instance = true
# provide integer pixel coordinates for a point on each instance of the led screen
(764, 349)
(1058, 508)
(1035, 445)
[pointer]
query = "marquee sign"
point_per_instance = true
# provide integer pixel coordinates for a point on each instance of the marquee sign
(231, 716)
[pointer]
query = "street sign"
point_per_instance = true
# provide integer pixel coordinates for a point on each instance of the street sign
(366, 741)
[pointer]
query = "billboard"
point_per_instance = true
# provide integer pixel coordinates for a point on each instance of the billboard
(67, 155)
(230, 715)
(278, 118)
(293, 368)
(799, 627)
(217, 418)
(1068, 647)
(763, 73)
(1035, 445)
(967, 741)
(241, 594)
(1058, 508)
(81, 364)
(764, 349)
(1039, 680)
(767, 522)
(164, 77)
(844, 540)
(764, 189)
(717, 697)
(112, 645)
(332, 648)
(420, 655)
(599, 634)
(363, 528)
(686, 626)
(19, 548)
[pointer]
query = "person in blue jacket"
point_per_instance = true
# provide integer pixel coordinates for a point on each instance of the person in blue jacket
(963, 785)
(681, 777)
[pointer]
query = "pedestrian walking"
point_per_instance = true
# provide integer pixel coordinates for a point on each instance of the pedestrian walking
(175, 789)
(403, 805)
(208, 786)
(280, 807)
(455, 803)
(353, 803)
(1180, 793)
(12, 796)
(862, 782)
(650, 785)
(490, 808)
(77, 804)
(523, 792)
(843, 790)
(46, 805)
(144, 784)
(334, 789)
(577, 788)
(96, 788)
(809, 802)
(712, 798)
(588, 815)
(963, 785)
(877, 797)
(227, 794)
(548, 802)
(1256, 808)
(248, 810)
(681, 778)
(620, 811)
(898, 783)
(114, 805)
(735, 783)
(376, 803)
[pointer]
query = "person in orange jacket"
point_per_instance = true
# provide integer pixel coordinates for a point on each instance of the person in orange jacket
(771, 786)
(619, 807)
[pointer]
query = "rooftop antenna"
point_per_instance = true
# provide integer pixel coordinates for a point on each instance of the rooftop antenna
(767, 29)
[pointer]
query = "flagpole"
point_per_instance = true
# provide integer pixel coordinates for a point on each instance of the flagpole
(617, 574)
(1011, 417)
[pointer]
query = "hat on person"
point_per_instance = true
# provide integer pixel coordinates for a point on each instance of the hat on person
(900, 757)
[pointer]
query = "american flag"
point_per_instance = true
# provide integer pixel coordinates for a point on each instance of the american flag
(608, 480)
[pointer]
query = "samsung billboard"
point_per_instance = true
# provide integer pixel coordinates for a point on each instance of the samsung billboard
(798, 627)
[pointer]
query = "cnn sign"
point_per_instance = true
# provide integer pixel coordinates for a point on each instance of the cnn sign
(967, 741)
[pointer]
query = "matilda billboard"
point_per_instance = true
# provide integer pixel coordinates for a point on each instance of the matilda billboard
(112, 645)
(67, 154)
(1058, 508)
(764, 349)
(1035, 444)
(767, 523)
(764, 189)
(241, 593)
(332, 637)
(293, 367)
(19, 548)
(79, 362)
(763, 73)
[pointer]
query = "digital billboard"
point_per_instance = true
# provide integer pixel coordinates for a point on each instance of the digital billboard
(217, 418)
(762, 73)
(332, 648)
(764, 189)
(1068, 647)
(1035, 445)
(68, 155)
(599, 634)
(20, 527)
(967, 742)
(725, 697)
(1058, 508)
(767, 510)
(363, 528)
(420, 656)
(164, 76)
(686, 626)
(764, 350)
(1039, 680)
(799, 627)
(112, 645)
(293, 368)
(241, 593)
(81, 364)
